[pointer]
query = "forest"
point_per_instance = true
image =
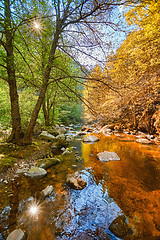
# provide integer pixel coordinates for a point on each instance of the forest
(79, 83)
(45, 82)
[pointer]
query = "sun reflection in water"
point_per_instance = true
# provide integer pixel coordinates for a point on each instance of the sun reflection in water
(34, 210)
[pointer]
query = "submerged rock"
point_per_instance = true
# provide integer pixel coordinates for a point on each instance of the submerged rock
(90, 138)
(76, 182)
(47, 191)
(119, 227)
(35, 172)
(108, 156)
(17, 234)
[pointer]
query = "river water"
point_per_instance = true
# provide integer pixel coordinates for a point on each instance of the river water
(129, 187)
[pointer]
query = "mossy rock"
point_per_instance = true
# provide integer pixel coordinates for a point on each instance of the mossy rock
(48, 162)
(36, 172)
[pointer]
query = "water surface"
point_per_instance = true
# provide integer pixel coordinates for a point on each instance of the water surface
(130, 186)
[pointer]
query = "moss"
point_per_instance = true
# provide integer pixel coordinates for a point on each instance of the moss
(6, 162)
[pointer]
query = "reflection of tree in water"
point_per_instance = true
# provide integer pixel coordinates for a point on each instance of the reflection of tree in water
(132, 182)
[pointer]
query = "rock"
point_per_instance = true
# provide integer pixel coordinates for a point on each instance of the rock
(67, 151)
(48, 162)
(81, 133)
(108, 156)
(17, 234)
(119, 227)
(91, 138)
(74, 166)
(61, 141)
(22, 170)
(143, 141)
(76, 182)
(105, 129)
(47, 191)
(46, 136)
(35, 172)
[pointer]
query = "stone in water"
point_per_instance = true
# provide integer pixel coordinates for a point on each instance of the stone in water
(108, 156)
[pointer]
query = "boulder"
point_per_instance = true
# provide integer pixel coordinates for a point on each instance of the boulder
(48, 162)
(47, 191)
(46, 136)
(120, 228)
(17, 234)
(61, 141)
(35, 172)
(108, 156)
(143, 141)
(90, 138)
(76, 182)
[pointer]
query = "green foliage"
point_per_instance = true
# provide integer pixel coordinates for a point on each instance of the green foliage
(69, 113)
(5, 118)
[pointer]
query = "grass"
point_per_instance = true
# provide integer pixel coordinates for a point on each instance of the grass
(6, 162)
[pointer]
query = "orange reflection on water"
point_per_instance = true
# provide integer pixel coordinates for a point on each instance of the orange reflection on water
(133, 182)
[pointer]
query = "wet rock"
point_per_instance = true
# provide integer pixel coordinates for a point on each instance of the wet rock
(67, 151)
(47, 191)
(48, 162)
(35, 172)
(143, 141)
(108, 156)
(119, 227)
(91, 138)
(46, 136)
(17, 234)
(76, 182)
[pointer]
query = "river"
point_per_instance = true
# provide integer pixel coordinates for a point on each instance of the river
(129, 187)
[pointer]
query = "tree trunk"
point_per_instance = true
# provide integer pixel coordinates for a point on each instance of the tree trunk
(29, 132)
(134, 116)
(46, 115)
(15, 114)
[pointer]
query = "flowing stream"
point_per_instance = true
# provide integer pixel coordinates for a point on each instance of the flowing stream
(129, 187)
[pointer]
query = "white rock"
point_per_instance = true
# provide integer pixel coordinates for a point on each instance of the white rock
(47, 191)
(46, 136)
(108, 156)
(91, 138)
(17, 234)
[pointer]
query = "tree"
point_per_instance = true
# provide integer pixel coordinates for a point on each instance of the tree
(134, 71)
(74, 24)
